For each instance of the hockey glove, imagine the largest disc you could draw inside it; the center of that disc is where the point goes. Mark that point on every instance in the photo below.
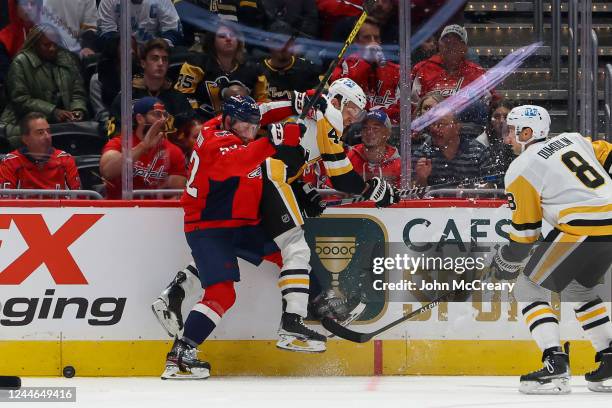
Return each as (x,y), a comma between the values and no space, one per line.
(382,193)
(504,269)
(301,99)
(286,134)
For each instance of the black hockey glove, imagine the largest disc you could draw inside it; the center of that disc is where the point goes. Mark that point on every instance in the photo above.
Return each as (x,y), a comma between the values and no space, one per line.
(309,199)
(382,193)
(504,269)
(286,134)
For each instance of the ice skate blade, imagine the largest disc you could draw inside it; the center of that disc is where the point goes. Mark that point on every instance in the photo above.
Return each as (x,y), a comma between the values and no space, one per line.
(599,386)
(166,319)
(292,343)
(172,372)
(555,386)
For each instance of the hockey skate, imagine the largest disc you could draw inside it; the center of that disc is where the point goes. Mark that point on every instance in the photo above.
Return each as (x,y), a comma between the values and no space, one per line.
(553,378)
(167,307)
(597,378)
(295,336)
(182,363)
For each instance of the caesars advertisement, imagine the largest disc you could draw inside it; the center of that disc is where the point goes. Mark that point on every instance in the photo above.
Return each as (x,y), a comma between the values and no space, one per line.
(91,273)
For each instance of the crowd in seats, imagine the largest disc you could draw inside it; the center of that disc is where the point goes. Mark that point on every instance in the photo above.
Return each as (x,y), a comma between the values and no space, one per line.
(61,59)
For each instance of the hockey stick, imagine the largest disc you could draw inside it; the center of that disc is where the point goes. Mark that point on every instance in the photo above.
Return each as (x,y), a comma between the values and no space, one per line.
(417,192)
(319,90)
(344,332)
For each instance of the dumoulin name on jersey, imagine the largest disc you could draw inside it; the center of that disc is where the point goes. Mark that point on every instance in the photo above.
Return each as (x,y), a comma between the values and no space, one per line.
(564,181)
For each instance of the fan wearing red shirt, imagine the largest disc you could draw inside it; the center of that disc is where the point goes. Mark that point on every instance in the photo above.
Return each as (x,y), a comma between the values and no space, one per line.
(370,69)
(38,165)
(157,163)
(448,71)
(374,157)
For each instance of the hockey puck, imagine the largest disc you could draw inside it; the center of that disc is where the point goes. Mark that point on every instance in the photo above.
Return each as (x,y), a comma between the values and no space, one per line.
(68,371)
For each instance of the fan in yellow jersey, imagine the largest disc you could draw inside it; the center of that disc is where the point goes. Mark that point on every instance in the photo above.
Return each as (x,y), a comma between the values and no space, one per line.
(565,182)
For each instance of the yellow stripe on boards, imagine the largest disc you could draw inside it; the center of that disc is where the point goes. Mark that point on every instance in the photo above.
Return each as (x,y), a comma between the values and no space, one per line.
(262,358)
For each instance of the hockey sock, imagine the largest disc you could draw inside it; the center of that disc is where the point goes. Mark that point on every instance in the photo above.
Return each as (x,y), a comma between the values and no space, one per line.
(207,313)
(294,284)
(593,317)
(542,323)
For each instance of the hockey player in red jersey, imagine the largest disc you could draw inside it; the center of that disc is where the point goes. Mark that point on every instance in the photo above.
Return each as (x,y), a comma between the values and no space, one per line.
(221,204)
(281,206)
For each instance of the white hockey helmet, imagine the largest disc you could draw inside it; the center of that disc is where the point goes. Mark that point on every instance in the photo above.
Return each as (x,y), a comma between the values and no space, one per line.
(529,116)
(349,91)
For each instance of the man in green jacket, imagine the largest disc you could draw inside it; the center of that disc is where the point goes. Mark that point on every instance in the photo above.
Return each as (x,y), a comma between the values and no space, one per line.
(43,77)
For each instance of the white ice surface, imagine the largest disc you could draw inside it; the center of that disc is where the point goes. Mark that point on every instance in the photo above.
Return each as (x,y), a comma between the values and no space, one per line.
(318,392)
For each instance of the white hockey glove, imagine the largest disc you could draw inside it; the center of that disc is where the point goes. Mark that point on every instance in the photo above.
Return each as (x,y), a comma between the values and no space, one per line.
(301,99)
(382,193)
(287,134)
(504,269)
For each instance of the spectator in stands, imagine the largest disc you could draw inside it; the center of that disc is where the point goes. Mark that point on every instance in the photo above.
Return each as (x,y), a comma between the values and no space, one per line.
(23,15)
(153,82)
(374,157)
(284,70)
(428,49)
(187,131)
(157,163)
(251,13)
(448,71)
(501,153)
(44,78)
(426,103)
(76,22)
(369,67)
(150,19)
(385,12)
(301,16)
(449,157)
(223,63)
(38,165)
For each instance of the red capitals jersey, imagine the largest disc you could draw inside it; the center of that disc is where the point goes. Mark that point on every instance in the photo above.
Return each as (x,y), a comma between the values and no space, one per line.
(430,75)
(380,83)
(59,172)
(151,170)
(225,181)
(389,169)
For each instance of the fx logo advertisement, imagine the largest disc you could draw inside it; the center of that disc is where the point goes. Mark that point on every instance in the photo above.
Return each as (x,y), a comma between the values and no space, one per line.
(49,251)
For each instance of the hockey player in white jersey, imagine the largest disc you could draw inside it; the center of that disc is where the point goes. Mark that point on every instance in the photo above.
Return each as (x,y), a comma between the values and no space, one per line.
(565,182)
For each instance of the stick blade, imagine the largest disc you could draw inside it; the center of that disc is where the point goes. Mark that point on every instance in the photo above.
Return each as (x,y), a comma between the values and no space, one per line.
(343,332)
(9,382)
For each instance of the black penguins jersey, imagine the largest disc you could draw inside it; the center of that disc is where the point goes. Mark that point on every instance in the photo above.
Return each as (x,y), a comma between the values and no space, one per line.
(201,79)
(299,76)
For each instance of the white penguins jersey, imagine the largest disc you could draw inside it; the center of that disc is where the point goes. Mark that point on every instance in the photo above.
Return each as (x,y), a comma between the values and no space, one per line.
(565,181)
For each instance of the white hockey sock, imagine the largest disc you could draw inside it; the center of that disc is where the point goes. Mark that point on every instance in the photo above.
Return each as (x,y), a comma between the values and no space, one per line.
(542,323)
(593,317)
(294,284)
